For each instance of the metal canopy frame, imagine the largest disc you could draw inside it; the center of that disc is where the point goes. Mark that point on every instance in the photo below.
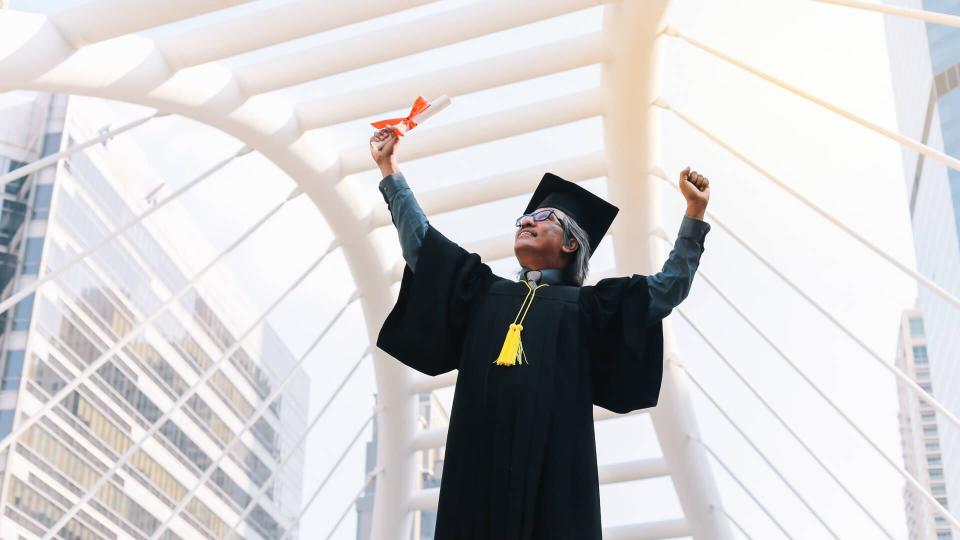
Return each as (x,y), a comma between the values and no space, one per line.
(93,50)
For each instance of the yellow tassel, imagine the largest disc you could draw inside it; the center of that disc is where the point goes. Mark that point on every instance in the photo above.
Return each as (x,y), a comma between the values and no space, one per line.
(511,353)
(511,346)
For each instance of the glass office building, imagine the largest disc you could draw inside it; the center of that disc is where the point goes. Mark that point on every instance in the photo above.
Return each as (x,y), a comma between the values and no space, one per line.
(51,336)
(925,65)
(919,434)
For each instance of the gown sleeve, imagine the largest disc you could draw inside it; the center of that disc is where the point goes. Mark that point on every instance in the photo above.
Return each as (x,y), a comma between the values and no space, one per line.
(626,351)
(426,328)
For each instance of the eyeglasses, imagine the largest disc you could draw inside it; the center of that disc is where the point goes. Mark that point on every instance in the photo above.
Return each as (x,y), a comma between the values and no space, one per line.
(540,215)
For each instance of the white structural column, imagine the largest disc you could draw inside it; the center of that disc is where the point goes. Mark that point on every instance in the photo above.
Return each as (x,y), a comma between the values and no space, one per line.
(631,83)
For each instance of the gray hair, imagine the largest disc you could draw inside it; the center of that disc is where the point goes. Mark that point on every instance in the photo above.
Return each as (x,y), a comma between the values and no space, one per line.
(579,264)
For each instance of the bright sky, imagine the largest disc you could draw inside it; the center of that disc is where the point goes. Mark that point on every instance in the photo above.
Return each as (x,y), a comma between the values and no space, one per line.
(836,53)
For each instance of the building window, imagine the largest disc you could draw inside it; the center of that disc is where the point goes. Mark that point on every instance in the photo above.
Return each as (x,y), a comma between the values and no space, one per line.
(41,201)
(31,259)
(928,416)
(6,422)
(14,165)
(936,474)
(934,461)
(926,386)
(916,326)
(929,430)
(13,187)
(944,535)
(934,445)
(12,369)
(21,313)
(920,354)
(938,490)
(11,219)
(51,144)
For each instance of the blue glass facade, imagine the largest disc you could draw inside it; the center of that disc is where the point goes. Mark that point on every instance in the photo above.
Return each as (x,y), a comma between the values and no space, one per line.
(945,56)
(47,219)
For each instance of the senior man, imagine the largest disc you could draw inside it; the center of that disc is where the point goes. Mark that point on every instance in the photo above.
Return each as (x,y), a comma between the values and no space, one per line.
(533,354)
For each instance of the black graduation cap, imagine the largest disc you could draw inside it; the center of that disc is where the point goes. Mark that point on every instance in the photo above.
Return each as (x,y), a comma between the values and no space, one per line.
(592,213)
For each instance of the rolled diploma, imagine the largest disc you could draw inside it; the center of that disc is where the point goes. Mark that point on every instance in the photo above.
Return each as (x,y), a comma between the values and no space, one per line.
(436,106)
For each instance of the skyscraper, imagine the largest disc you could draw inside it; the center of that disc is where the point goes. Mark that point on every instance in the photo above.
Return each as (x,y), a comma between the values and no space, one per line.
(48,218)
(920,436)
(925,64)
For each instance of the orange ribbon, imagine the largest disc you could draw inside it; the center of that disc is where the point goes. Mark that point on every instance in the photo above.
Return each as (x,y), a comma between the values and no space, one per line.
(403,125)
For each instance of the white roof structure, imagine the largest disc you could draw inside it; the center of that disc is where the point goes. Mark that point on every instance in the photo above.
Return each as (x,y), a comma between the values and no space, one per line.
(120,50)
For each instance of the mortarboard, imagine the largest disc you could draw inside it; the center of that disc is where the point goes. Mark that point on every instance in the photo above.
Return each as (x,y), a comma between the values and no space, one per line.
(592,213)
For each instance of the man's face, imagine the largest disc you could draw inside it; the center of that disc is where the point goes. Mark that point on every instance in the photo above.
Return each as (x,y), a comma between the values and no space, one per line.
(539,244)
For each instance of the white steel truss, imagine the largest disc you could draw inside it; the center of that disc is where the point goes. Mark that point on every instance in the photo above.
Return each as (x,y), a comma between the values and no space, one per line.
(80,50)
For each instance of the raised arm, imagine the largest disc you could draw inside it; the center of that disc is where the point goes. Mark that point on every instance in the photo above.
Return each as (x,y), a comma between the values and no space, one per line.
(408,217)
(671,285)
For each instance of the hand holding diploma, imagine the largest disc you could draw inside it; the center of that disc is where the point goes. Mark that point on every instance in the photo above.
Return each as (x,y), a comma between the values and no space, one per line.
(382,146)
(421,111)
(383,143)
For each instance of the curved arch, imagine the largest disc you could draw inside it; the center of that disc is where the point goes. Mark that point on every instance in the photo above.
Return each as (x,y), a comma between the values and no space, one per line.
(133,69)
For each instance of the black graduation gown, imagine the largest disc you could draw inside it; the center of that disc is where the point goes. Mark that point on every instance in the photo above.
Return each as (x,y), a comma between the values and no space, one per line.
(521,454)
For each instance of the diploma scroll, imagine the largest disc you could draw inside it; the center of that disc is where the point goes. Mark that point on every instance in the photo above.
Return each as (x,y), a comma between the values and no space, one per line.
(421,111)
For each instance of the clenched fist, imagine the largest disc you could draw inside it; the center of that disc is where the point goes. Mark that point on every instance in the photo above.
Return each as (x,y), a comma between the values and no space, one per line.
(385,157)
(696,190)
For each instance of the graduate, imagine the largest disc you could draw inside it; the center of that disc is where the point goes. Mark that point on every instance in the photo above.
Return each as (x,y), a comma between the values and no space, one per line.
(534,355)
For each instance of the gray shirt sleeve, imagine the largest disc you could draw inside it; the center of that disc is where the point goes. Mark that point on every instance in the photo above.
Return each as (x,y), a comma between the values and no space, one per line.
(667,288)
(408,217)
(672,284)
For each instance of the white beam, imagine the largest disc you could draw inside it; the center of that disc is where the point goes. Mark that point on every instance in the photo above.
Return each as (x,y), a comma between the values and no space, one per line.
(273,26)
(627,471)
(423,34)
(454,81)
(928,151)
(373,474)
(483,129)
(498,187)
(736,478)
(734,521)
(654,530)
(190,392)
(632,132)
(421,384)
(366,483)
(437,437)
(932,17)
(67,152)
(770,464)
(252,420)
(424,499)
(920,278)
(268,483)
(903,377)
(924,492)
(430,438)
(91,22)
(600,414)
(492,248)
(88,371)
